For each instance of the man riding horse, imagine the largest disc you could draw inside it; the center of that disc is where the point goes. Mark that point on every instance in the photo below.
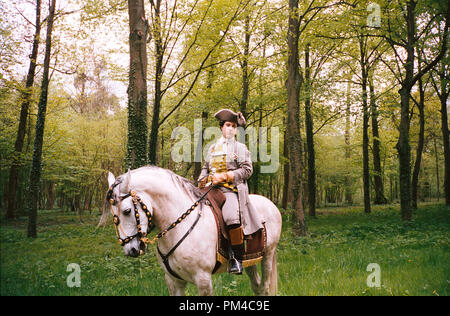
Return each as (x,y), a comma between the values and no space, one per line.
(228,165)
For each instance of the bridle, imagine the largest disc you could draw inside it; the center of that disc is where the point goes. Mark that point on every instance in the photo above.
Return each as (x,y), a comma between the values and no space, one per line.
(142,235)
(136,199)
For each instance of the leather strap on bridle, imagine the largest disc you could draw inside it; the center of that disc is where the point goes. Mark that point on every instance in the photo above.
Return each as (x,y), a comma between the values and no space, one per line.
(116,220)
(165,258)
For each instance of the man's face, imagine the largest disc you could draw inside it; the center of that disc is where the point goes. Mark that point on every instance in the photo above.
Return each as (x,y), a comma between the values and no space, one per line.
(229,129)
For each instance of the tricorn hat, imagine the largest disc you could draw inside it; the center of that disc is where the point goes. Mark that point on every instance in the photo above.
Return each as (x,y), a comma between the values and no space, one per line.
(231,116)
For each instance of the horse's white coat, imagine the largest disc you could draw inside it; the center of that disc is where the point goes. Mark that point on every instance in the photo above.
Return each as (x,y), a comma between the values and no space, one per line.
(195,258)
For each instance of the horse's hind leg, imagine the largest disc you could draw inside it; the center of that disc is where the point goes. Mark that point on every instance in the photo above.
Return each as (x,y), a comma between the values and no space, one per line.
(176,287)
(255,281)
(266,269)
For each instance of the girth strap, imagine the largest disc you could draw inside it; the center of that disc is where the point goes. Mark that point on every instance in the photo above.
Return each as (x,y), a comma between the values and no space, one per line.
(165,258)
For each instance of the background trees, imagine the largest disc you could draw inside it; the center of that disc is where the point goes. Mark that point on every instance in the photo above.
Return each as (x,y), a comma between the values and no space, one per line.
(324,72)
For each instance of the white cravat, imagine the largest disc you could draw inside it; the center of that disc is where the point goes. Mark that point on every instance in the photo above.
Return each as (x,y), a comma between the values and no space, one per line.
(224,142)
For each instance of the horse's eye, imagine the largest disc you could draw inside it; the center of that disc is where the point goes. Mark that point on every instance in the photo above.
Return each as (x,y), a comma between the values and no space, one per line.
(127,211)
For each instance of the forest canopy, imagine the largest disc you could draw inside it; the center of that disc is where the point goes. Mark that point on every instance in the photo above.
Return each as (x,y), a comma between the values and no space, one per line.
(357,90)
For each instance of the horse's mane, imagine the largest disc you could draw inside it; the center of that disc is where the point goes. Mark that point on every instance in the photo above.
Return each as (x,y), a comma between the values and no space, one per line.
(186,185)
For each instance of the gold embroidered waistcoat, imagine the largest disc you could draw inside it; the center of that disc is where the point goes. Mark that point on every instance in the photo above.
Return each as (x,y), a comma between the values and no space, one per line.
(218,164)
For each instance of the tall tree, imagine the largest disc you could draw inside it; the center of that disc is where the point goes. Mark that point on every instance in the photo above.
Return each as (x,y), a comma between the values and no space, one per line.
(159,56)
(364,83)
(420,144)
(404,51)
(244,66)
(35,174)
(443,92)
(293,84)
(26,99)
(377,172)
(348,152)
(440,81)
(310,137)
(137,86)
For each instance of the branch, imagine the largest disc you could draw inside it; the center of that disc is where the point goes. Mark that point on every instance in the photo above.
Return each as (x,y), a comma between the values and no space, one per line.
(270,112)
(25,18)
(163,91)
(441,53)
(326,121)
(190,47)
(236,13)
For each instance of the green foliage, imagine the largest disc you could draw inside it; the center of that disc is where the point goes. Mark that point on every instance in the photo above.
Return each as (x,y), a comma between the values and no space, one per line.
(332,260)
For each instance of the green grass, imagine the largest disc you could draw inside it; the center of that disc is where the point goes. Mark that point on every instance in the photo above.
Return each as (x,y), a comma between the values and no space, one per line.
(413,257)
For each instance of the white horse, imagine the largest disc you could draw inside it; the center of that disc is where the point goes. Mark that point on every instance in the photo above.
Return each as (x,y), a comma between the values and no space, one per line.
(167,196)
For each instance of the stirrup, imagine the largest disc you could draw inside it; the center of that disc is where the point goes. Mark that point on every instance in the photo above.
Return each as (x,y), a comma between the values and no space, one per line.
(235,266)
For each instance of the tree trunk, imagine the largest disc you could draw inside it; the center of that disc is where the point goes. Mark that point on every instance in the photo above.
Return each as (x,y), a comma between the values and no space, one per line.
(137,87)
(420,145)
(403,145)
(245,82)
(446,138)
(404,156)
(366,173)
(199,149)
(257,171)
(310,138)
(26,98)
(159,55)
(378,181)
(348,180)
(35,174)
(293,85)
(286,175)
(50,195)
(438,193)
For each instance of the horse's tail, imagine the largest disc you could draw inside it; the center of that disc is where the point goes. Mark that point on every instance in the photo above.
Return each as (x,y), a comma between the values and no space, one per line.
(273,285)
(105,213)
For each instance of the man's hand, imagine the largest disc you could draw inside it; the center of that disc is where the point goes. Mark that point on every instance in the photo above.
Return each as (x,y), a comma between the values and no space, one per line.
(223,177)
(201,184)
(219,178)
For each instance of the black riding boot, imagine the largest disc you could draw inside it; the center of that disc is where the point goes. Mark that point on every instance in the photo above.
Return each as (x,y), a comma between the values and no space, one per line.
(236,250)
(235,262)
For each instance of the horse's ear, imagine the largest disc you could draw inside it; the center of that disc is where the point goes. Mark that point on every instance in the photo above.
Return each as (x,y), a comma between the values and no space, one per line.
(111,179)
(125,185)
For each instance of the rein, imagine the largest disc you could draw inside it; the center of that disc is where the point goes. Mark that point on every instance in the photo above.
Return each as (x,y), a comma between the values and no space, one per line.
(181,218)
(165,257)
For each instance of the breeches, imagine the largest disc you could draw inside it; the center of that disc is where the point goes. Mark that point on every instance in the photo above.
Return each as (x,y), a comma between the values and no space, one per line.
(230,209)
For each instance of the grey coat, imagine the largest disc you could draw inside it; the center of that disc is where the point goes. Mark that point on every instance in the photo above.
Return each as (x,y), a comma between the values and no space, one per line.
(240,163)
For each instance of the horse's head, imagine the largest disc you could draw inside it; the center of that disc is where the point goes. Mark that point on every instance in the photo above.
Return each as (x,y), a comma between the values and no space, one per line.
(131,215)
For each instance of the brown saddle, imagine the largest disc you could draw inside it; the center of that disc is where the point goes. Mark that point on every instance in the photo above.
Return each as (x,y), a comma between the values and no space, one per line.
(255,243)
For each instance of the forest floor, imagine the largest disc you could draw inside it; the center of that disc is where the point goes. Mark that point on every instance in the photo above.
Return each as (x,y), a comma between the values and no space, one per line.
(412,258)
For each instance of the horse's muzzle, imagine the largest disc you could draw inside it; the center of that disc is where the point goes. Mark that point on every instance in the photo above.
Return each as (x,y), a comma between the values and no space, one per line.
(134,253)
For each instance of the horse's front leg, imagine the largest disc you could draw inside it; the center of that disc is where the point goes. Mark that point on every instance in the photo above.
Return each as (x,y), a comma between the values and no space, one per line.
(176,287)
(204,284)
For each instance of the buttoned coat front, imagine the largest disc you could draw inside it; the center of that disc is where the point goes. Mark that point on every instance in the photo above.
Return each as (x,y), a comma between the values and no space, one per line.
(240,163)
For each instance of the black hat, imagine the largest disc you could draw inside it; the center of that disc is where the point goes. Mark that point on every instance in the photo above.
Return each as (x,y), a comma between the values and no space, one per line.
(231,116)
